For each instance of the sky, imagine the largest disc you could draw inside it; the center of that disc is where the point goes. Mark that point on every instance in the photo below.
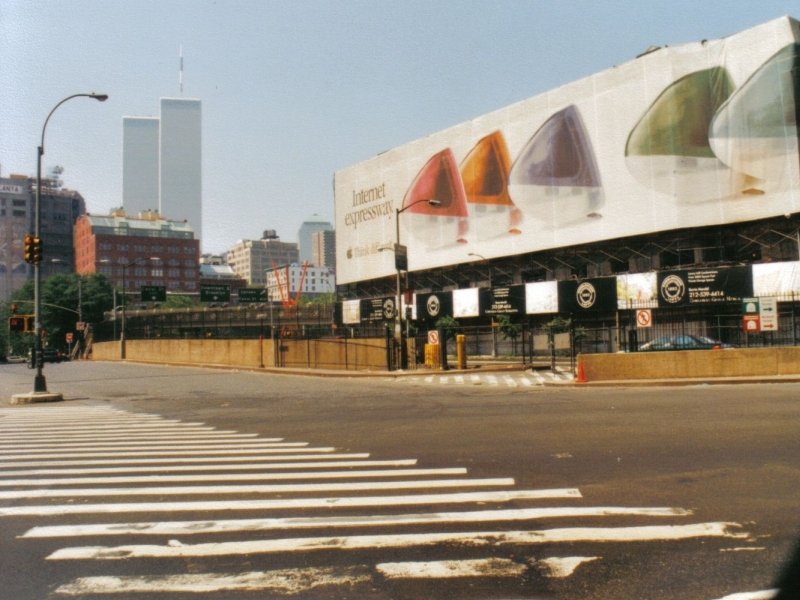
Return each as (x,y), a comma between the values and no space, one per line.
(294,90)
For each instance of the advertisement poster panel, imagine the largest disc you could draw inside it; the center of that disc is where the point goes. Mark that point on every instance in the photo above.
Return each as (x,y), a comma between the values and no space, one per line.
(431,307)
(609,156)
(506,300)
(378,309)
(575,297)
(702,286)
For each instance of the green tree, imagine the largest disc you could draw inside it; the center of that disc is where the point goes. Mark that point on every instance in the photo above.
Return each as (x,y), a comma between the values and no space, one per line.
(178,301)
(448,325)
(509,330)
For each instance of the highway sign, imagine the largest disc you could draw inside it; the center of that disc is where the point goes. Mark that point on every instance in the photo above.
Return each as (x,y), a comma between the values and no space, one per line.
(215,292)
(153,293)
(252,295)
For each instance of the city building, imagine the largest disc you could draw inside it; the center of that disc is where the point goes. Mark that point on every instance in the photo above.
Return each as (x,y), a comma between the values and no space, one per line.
(146,250)
(304,236)
(323,248)
(251,259)
(180,162)
(284,282)
(59,209)
(162,162)
(214,274)
(140,164)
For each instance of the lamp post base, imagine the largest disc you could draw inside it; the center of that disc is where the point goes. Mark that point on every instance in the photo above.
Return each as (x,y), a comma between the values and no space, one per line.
(34,397)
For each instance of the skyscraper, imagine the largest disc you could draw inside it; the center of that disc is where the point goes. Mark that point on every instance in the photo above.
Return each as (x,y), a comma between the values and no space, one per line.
(180,161)
(140,164)
(307,229)
(162,162)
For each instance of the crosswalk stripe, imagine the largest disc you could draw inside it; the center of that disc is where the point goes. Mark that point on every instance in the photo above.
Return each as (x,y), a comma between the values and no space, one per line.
(83,437)
(152,447)
(271,524)
(61,455)
(255,489)
(497,496)
(450,569)
(341,464)
(104,425)
(120,444)
(285,581)
(177,460)
(233,477)
(371,542)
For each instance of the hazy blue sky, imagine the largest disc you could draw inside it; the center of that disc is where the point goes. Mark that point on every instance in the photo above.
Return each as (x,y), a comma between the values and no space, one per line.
(294,90)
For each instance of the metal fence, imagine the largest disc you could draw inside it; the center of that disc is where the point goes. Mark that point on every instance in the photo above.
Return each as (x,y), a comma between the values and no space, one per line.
(534,339)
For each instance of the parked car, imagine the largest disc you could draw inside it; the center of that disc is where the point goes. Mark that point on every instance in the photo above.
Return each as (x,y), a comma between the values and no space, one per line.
(683,342)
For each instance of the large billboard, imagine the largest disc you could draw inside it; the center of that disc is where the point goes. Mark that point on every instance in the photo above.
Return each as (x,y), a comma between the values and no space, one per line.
(685,136)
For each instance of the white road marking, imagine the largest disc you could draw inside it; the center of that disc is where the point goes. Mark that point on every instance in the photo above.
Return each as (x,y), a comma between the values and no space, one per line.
(104,426)
(449,569)
(270,450)
(341,464)
(288,581)
(232,477)
(84,437)
(255,489)
(200,459)
(560,567)
(525,381)
(288,503)
(474,539)
(492,379)
(760,595)
(509,381)
(184,445)
(220,526)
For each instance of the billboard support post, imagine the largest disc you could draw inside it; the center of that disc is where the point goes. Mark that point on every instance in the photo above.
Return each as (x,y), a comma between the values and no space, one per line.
(400,261)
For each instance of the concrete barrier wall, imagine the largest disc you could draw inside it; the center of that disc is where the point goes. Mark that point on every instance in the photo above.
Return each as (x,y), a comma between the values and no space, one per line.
(735,362)
(323,354)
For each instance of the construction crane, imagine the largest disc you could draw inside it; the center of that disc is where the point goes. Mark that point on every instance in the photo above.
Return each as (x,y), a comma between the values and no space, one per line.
(289,301)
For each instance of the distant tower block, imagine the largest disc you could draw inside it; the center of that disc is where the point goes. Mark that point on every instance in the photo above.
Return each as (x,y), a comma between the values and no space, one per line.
(443,225)
(555,179)
(756,130)
(669,151)
(484,172)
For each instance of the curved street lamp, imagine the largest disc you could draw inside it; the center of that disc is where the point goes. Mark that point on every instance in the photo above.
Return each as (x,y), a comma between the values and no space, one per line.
(39,383)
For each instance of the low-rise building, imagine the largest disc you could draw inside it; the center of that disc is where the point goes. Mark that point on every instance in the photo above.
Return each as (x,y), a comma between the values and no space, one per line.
(134,252)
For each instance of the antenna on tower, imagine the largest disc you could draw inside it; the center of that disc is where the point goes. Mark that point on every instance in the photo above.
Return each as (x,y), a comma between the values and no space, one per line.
(180,70)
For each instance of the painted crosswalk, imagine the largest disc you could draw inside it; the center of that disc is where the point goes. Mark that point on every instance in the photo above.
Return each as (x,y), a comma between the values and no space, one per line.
(128,478)
(516,379)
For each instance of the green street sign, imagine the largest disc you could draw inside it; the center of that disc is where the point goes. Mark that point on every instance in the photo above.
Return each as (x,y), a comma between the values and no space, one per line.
(252,295)
(153,293)
(215,293)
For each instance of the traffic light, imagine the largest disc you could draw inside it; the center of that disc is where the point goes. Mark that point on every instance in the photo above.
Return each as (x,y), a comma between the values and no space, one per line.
(28,248)
(37,250)
(16,323)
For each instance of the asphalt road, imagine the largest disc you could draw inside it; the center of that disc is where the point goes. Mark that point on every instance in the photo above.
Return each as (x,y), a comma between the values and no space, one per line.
(405,489)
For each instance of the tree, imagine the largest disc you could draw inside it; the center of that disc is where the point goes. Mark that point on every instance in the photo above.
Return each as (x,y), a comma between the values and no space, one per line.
(178,301)
(509,330)
(448,325)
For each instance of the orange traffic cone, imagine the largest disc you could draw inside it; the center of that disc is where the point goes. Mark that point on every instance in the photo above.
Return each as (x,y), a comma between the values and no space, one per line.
(581,373)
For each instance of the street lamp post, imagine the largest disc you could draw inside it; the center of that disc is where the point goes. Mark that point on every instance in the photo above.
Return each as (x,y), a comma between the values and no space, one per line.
(39,382)
(401,264)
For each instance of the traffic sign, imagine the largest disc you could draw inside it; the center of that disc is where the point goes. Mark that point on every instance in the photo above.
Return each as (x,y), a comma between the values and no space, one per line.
(252,295)
(644,317)
(433,337)
(768,312)
(154,293)
(215,293)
